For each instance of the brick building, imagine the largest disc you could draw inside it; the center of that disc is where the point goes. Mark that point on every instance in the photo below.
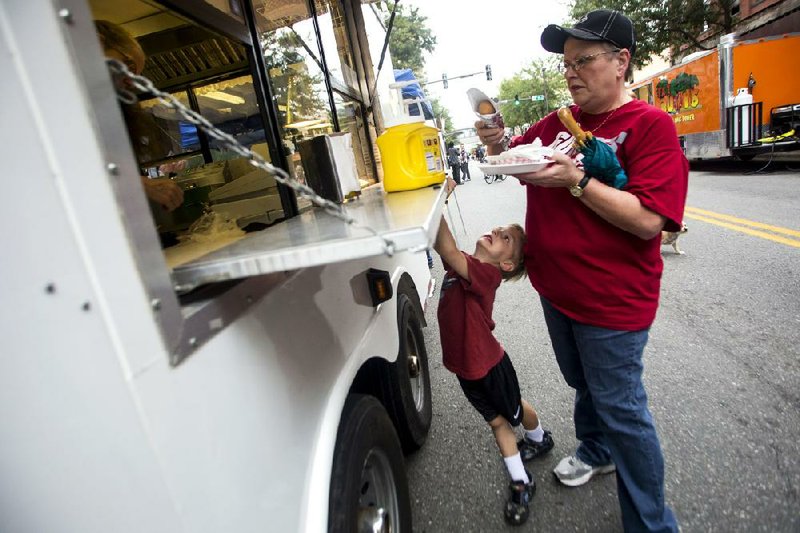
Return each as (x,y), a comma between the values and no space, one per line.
(762,18)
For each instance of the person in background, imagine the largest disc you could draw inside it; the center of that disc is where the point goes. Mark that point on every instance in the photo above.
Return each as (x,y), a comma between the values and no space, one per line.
(480,155)
(148,140)
(593,255)
(464,160)
(473,354)
(454,160)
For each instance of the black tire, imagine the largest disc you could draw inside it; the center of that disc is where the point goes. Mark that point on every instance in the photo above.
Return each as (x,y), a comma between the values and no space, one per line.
(405,385)
(368,479)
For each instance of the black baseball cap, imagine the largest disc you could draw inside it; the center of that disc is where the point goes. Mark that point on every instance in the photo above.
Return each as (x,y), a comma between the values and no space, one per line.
(598,25)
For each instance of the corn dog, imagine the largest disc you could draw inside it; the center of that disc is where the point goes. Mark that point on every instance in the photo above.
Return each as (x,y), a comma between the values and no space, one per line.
(565,115)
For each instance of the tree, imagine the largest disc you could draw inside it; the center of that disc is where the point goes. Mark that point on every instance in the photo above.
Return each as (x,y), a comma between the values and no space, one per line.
(410,37)
(297,92)
(542,77)
(442,113)
(678,25)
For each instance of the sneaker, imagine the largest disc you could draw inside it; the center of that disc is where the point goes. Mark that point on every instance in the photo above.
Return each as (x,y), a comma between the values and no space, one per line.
(529,449)
(573,472)
(520,497)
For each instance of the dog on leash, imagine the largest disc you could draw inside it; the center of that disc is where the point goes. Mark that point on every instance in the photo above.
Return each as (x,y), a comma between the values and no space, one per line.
(671,237)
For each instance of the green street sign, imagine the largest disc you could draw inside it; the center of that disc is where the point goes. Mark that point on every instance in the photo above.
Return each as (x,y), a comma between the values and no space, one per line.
(537,98)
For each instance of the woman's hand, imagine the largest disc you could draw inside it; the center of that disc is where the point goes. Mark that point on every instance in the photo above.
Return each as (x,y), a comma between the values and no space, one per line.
(490,136)
(164,192)
(562,172)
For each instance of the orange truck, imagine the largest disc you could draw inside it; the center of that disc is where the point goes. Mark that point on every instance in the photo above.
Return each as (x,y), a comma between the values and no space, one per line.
(739,100)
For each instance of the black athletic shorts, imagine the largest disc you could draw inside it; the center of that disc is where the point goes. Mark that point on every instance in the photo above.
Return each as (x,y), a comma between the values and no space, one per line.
(497,393)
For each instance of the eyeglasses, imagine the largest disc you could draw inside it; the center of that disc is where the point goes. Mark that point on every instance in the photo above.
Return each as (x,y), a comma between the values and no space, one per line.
(581,62)
(126,59)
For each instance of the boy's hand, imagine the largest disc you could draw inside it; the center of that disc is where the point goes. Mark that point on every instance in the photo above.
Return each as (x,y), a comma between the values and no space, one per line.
(451,186)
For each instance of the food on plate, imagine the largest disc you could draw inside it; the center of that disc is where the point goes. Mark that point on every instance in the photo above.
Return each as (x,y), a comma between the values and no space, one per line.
(565,115)
(486,107)
(521,155)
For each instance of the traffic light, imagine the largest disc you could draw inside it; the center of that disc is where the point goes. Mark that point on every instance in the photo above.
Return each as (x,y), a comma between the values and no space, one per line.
(516,99)
(444,80)
(488,72)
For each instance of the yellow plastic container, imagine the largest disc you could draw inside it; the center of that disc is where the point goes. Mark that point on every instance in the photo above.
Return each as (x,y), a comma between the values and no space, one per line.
(411,156)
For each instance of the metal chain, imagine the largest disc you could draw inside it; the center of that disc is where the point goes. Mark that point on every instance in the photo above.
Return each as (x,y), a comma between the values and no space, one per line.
(228,141)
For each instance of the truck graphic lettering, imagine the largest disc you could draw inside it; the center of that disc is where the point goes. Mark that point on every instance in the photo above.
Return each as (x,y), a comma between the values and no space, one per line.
(680,94)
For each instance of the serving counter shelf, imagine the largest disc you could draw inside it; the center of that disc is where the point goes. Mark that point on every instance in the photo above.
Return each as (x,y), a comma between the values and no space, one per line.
(408,219)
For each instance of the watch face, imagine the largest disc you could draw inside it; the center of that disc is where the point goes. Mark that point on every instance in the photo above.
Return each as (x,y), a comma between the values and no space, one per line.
(576,191)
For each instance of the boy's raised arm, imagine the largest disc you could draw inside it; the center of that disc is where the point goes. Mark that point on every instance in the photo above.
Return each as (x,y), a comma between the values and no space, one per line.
(447,248)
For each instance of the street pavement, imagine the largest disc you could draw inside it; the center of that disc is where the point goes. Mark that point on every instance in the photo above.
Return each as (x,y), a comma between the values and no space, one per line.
(722,371)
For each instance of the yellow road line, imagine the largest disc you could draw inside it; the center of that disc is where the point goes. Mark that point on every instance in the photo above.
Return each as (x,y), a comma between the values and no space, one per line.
(744,229)
(745,222)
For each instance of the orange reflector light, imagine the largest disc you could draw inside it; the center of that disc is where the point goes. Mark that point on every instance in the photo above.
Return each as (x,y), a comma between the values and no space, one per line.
(380,286)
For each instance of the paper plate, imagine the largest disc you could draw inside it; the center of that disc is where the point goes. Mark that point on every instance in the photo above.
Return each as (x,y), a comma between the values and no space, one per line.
(512,169)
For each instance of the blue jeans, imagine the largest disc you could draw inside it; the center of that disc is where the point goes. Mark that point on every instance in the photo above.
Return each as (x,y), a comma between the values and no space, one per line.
(612,421)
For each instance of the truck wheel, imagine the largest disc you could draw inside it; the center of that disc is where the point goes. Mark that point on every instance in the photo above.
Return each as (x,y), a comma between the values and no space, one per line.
(369,487)
(406,383)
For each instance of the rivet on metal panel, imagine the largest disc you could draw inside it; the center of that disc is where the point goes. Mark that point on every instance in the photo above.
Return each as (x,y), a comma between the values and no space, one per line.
(113,169)
(155,303)
(50,288)
(66,15)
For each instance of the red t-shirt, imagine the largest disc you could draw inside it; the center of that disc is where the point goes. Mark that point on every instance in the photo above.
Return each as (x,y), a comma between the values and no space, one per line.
(469,348)
(587,268)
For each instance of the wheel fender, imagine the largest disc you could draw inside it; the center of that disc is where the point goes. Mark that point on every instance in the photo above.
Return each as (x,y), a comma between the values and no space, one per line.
(380,340)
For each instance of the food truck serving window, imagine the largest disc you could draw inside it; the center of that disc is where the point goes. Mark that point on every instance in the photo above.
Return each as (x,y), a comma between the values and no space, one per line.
(276,83)
(212,75)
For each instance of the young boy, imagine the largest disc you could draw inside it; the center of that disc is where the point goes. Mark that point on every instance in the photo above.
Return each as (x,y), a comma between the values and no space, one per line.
(474,355)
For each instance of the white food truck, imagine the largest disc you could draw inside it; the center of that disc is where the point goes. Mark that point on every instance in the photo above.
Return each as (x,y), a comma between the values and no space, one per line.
(269,380)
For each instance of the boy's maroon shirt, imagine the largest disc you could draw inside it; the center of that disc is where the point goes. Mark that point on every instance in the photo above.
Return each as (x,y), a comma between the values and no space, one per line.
(469,349)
